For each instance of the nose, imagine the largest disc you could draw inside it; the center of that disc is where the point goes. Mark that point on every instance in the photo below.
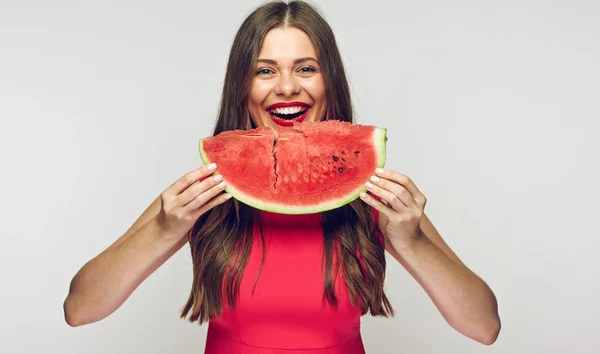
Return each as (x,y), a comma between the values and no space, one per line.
(287,85)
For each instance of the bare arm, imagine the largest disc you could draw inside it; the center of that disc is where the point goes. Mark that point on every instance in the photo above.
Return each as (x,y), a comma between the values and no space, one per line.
(463,299)
(103,284)
(106,281)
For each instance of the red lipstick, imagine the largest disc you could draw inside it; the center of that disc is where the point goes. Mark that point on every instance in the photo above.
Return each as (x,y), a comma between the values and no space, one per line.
(288,122)
(287,104)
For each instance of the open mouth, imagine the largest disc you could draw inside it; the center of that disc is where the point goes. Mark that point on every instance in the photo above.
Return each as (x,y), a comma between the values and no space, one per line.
(287,113)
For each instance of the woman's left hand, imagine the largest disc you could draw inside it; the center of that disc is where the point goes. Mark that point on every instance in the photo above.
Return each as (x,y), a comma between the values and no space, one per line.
(401,205)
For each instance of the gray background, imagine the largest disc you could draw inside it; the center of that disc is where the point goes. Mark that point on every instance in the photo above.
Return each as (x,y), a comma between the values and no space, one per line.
(492,108)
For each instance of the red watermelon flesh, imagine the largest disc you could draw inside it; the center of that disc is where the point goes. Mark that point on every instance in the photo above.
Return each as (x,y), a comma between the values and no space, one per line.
(308,168)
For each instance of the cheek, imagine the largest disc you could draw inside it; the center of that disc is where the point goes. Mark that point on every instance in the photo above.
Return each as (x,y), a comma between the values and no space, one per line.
(256,98)
(316,90)
(255,95)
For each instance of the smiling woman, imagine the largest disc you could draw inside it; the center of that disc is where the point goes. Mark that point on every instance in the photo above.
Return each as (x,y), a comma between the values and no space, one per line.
(287,68)
(268,282)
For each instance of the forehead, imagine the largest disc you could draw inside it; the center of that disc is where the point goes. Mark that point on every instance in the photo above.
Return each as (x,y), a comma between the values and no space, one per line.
(287,43)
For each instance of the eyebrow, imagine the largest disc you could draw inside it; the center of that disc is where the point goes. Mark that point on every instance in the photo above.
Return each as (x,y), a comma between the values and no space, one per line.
(296,62)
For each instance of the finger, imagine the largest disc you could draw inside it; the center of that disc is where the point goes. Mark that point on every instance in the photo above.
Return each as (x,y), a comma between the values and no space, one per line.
(197,188)
(217,200)
(201,192)
(204,198)
(379,205)
(192,177)
(395,191)
(404,181)
(388,197)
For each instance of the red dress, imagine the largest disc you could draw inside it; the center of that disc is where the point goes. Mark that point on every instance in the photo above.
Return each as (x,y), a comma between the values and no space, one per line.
(286,313)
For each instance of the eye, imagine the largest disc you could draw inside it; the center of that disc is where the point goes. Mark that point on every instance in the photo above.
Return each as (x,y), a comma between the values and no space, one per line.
(307,69)
(264,71)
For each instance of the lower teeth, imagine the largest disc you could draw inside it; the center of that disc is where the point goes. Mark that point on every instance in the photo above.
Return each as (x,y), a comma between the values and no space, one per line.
(288,116)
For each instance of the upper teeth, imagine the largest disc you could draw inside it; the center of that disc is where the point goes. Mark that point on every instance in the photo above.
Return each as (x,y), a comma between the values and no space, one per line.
(287,110)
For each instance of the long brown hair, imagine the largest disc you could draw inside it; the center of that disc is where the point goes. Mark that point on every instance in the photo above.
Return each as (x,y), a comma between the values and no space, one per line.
(221,240)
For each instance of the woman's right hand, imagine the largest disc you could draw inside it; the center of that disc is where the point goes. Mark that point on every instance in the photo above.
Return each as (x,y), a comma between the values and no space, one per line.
(107,280)
(188,198)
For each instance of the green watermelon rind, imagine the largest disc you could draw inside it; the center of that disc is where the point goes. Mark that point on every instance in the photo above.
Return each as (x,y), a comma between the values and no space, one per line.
(379,140)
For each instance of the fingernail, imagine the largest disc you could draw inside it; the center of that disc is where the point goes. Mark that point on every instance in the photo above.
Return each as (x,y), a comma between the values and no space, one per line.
(379,171)
(222,185)
(363,194)
(227,196)
(375,179)
(369,185)
(212,166)
(218,178)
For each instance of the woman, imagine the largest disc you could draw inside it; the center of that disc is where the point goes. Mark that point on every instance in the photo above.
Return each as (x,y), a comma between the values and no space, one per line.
(258,277)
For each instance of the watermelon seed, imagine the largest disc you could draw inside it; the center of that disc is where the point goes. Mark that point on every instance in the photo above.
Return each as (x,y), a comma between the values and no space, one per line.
(335,158)
(340,170)
(356,153)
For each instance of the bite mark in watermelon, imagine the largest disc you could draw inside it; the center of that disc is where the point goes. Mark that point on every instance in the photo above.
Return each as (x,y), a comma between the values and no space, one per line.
(303,169)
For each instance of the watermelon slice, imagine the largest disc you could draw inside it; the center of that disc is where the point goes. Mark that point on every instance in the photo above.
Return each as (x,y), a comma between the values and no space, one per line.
(303,169)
